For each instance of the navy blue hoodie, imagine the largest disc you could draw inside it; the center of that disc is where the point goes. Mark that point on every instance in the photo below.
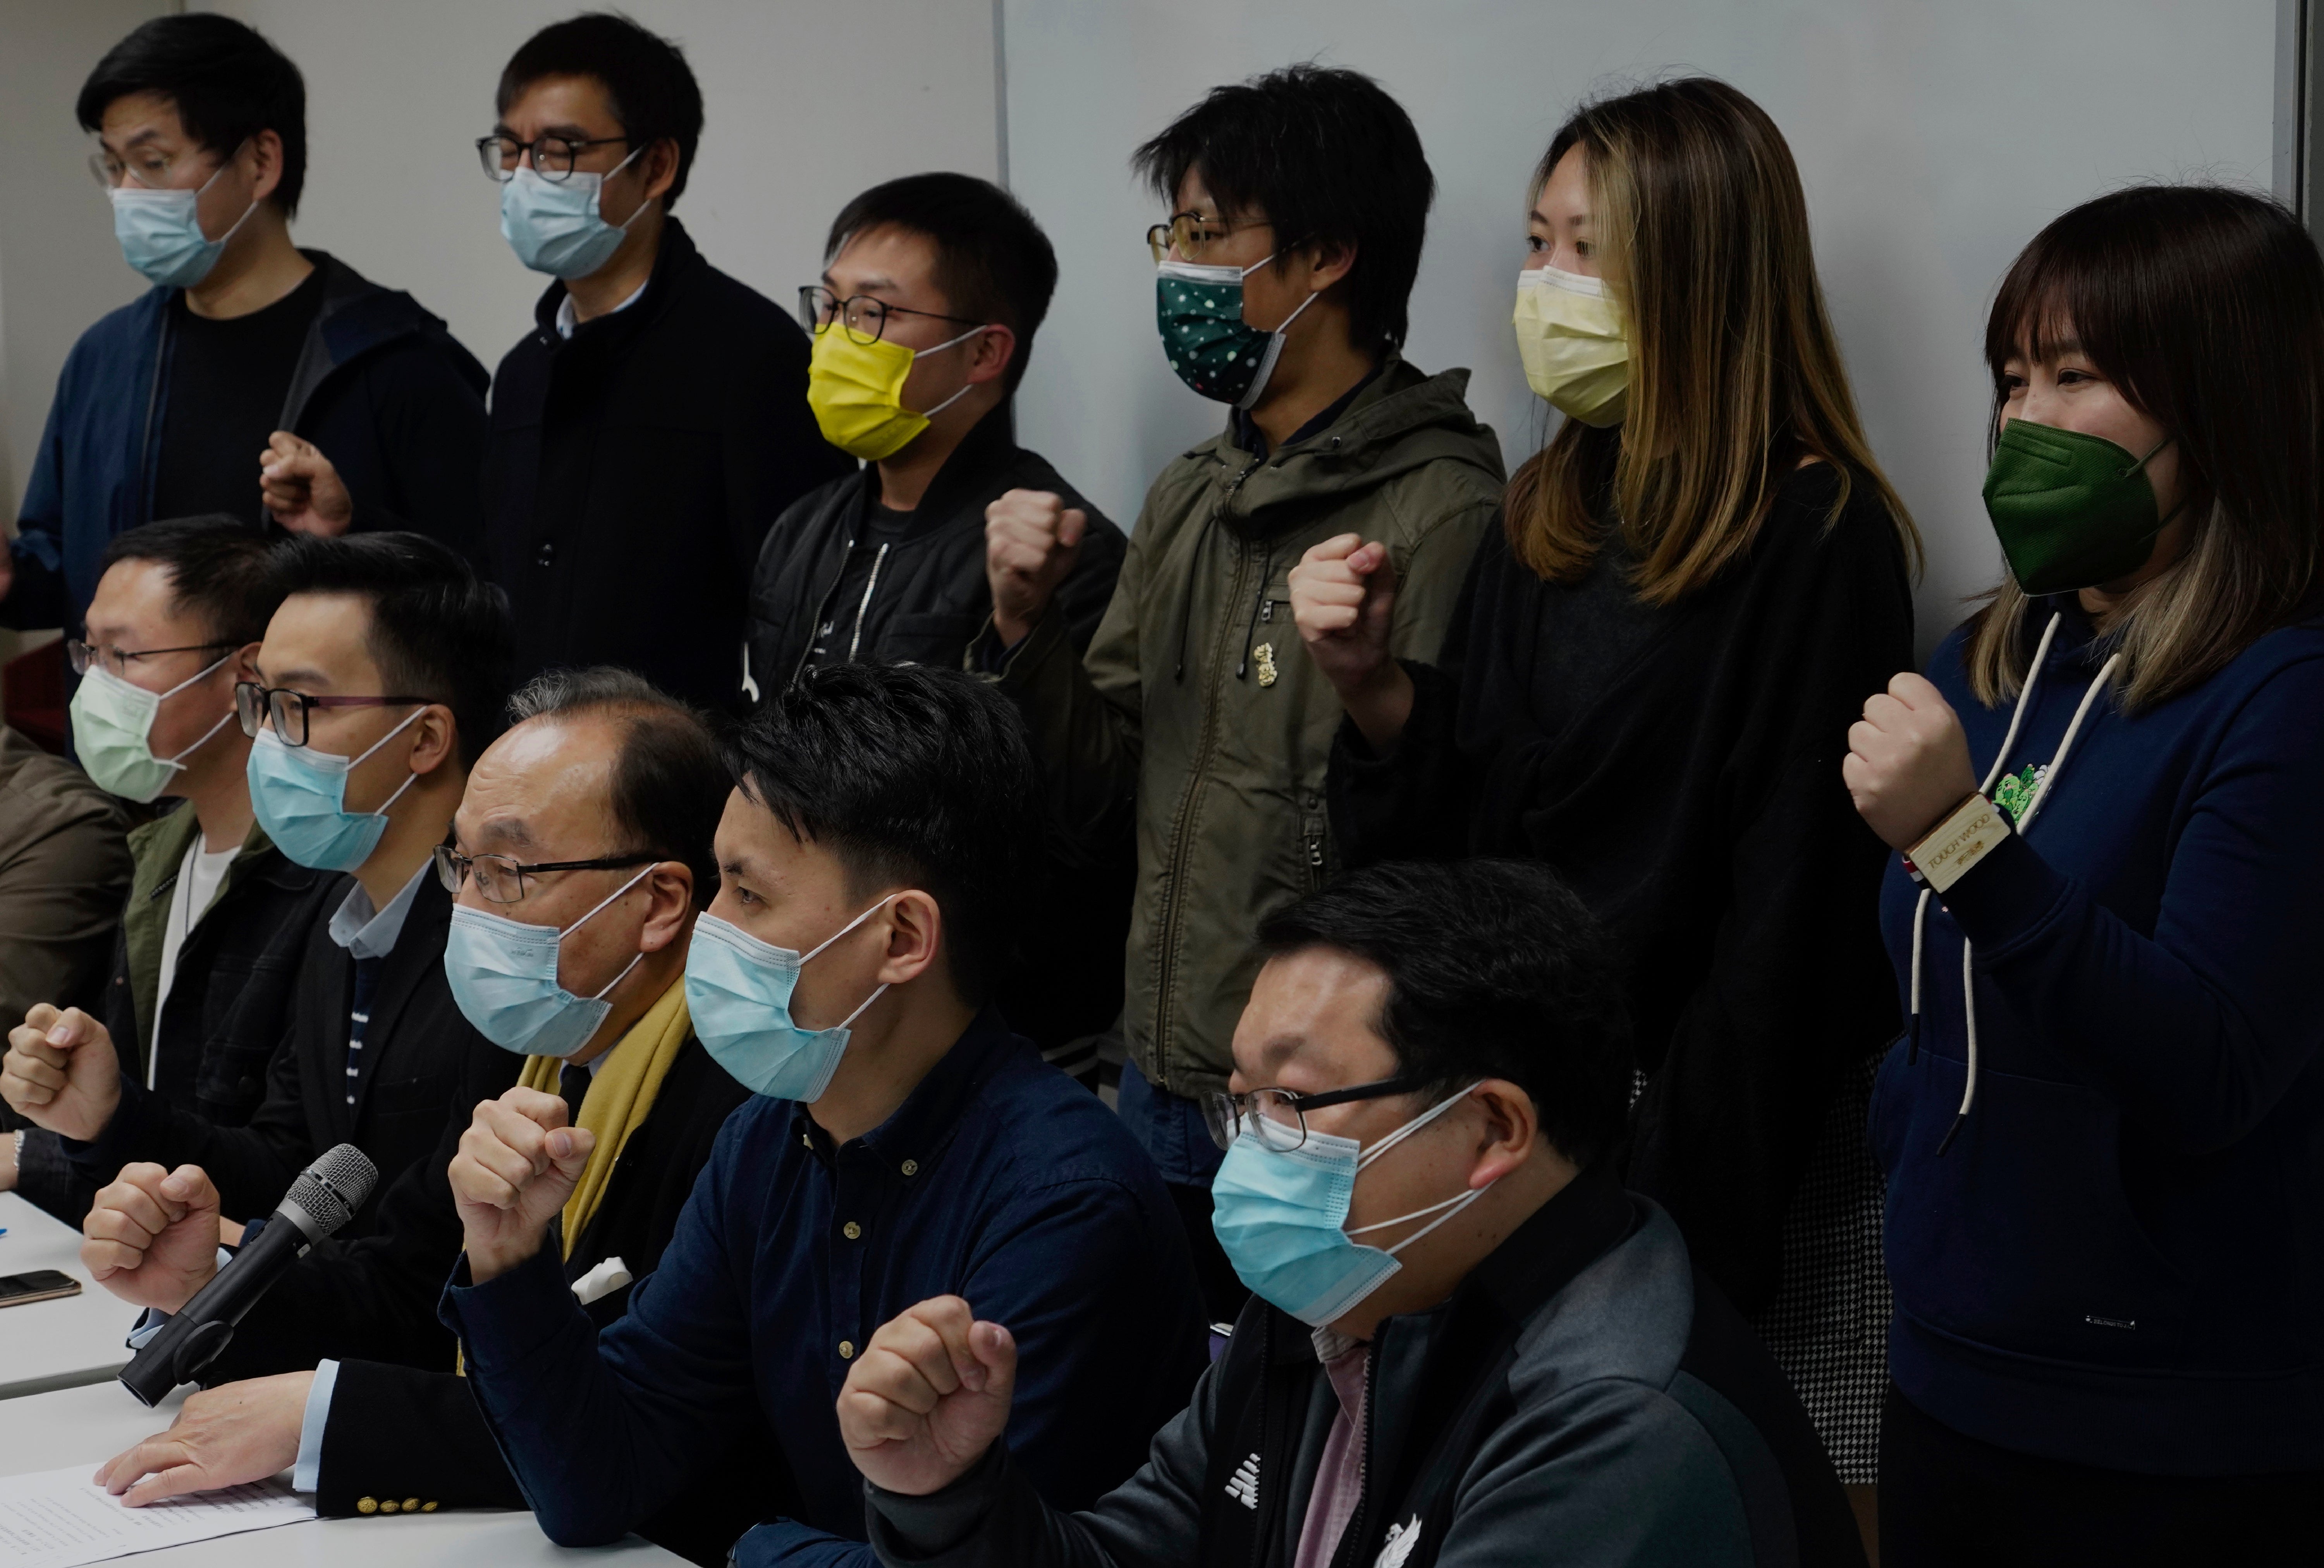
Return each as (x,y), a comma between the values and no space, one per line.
(382,387)
(2119,1261)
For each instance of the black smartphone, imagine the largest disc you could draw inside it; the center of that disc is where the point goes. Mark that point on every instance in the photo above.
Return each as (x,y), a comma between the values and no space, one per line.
(40,1285)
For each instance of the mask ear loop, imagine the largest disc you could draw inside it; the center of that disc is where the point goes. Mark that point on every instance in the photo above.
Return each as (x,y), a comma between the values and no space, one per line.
(1411,1126)
(410,779)
(600,994)
(919,353)
(1452,1205)
(178,762)
(834,936)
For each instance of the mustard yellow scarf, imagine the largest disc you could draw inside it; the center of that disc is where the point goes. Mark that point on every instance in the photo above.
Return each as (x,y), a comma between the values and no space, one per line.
(620,1097)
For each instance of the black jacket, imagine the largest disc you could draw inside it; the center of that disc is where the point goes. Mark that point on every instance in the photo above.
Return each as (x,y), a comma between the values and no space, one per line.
(1584,1397)
(401,1424)
(380,387)
(930,596)
(1692,797)
(928,599)
(635,467)
(425,1064)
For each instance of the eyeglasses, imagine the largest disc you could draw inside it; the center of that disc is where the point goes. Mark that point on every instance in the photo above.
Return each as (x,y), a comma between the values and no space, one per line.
(862,317)
(152,170)
(552,156)
(1191,234)
(116,662)
(503,882)
(254,705)
(1277,1117)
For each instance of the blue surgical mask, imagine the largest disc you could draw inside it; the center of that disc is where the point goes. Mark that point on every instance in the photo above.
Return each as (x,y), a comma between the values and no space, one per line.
(503,975)
(299,797)
(554,225)
(160,231)
(1280,1213)
(738,990)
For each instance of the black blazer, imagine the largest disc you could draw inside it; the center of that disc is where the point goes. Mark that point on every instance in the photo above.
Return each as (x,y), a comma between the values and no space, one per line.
(427,1065)
(634,468)
(412,1430)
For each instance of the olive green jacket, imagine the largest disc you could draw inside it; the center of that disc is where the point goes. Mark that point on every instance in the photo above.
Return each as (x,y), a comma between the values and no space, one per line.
(1196,720)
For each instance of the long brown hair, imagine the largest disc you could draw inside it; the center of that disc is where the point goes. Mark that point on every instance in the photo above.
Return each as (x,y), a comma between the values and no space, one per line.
(2205,308)
(1735,373)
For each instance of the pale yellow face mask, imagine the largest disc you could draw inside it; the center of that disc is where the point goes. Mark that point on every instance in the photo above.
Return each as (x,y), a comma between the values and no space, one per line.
(1576,354)
(856,390)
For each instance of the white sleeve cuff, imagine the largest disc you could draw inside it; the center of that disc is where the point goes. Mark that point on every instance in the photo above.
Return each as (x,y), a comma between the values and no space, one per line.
(153,1320)
(306,1475)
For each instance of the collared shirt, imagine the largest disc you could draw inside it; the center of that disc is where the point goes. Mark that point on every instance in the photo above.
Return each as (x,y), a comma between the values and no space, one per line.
(368,932)
(567,318)
(998,1179)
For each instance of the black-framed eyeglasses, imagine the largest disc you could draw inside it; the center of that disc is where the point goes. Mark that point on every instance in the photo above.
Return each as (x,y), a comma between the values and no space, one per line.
(552,156)
(116,662)
(1191,234)
(864,318)
(502,881)
(254,705)
(1278,1116)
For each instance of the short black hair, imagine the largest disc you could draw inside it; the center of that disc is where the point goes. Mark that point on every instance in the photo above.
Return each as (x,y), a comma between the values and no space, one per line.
(226,81)
(437,631)
(993,262)
(1494,970)
(669,784)
(1325,155)
(648,84)
(907,774)
(220,568)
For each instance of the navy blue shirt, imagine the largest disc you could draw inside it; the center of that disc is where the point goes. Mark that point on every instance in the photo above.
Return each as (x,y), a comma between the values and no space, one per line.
(998,1179)
(2115,1262)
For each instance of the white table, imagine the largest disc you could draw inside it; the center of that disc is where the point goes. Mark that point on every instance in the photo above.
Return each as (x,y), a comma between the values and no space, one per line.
(62,1343)
(50,1431)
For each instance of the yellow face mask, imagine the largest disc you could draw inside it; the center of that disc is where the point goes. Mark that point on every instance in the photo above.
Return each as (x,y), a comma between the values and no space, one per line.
(856,390)
(1576,354)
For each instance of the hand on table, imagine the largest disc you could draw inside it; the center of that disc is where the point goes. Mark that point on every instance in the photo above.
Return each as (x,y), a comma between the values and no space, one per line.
(60,1072)
(1907,762)
(152,1236)
(224,1436)
(927,1396)
(517,1165)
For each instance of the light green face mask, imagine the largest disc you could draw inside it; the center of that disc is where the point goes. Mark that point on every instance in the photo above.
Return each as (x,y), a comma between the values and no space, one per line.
(111,720)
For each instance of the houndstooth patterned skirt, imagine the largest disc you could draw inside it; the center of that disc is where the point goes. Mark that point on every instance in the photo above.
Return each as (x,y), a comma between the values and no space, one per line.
(1828,1325)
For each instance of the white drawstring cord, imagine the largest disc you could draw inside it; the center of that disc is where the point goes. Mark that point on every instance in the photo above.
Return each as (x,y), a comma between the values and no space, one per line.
(2025,821)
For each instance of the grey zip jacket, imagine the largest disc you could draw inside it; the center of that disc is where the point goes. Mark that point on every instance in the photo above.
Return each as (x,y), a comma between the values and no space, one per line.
(1582,1399)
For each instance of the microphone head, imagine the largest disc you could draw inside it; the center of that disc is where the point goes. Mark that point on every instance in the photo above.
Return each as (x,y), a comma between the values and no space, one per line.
(334,1187)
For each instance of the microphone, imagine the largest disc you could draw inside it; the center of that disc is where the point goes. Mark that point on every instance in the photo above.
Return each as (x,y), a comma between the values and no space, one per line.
(326,1195)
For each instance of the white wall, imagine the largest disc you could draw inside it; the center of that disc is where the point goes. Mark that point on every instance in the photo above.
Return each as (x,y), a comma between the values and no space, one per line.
(806,103)
(1933,141)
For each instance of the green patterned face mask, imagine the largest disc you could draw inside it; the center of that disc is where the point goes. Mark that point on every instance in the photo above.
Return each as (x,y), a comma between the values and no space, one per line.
(2072,511)
(1215,351)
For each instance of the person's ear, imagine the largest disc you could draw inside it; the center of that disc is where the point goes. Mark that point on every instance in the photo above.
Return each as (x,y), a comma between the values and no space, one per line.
(915,932)
(435,739)
(244,666)
(264,150)
(1327,262)
(990,356)
(1506,1133)
(670,914)
(660,166)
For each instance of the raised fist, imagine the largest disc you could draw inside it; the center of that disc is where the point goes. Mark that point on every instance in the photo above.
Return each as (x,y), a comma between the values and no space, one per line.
(302,487)
(60,1072)
(1907,761)
(517,1165)
(1031,538)
(152,1236)
(927,1396)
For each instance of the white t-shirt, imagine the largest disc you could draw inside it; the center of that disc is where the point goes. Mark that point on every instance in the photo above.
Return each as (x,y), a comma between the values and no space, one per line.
(199,878)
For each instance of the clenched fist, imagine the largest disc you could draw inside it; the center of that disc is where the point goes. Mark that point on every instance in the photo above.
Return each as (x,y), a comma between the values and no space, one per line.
(927,1396)
(60,1072)
(517,1165)
(1907,761)
(1342,599)
(152,1236)
(302,487)
(1031,538)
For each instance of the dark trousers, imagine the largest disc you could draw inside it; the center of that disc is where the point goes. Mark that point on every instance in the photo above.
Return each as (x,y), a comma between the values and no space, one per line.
(1951,1502)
